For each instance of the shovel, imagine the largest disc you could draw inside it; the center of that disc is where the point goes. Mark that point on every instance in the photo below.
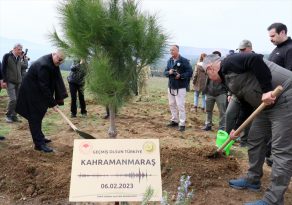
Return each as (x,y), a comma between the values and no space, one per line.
(82,134)
(276,92)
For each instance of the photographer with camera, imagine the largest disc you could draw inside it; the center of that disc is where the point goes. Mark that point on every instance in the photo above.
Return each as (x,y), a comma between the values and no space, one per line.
(24,62)
(11,73)
(179,71)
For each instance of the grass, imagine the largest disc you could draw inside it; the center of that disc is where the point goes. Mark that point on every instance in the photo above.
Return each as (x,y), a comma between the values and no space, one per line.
(3,93)
(157,94)
(157,84)
(49,123)
(64,74)
(5,128)
(157,89)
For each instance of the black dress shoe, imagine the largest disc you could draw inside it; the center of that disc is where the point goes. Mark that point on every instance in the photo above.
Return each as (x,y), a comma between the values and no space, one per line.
(43,148)
(181,128)
(172,124)
(105,117)
(47,140)
(15,119)
(73,115)
(207,128)
(2,138)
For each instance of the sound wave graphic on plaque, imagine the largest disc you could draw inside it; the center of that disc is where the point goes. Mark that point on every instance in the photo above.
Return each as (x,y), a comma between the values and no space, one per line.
(139,174)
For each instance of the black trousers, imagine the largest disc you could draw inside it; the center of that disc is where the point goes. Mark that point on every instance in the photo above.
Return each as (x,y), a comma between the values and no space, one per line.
(74,89)
(35,126)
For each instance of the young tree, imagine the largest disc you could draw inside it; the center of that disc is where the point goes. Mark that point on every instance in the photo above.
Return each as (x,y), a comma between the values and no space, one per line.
(117,40)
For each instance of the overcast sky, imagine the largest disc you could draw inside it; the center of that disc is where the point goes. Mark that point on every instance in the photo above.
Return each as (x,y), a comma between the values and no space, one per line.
(196,23)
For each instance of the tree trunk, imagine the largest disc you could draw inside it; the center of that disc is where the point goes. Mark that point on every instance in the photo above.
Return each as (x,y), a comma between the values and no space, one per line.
(112,131)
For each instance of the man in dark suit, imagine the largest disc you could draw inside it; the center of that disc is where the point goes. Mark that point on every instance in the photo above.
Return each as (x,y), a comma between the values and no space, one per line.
(36,95)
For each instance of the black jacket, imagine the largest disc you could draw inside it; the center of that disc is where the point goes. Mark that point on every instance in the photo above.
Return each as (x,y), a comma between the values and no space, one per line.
(37,90)
(183,67)
(248,62)
(77,74)
(282,54)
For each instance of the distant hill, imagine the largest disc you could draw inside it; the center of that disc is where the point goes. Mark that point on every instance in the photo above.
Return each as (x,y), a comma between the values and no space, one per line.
(36,50)
(193,51)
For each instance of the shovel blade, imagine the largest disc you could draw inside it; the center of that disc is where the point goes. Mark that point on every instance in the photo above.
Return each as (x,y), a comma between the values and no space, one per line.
(85,135)
(216,155)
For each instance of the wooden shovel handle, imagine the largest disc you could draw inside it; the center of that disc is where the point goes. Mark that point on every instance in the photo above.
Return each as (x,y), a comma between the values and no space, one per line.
(276,92)
(67,120)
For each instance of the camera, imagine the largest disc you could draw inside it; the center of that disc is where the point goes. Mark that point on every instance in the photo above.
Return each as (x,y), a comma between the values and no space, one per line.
(176,68)
(175,72)
(24,55)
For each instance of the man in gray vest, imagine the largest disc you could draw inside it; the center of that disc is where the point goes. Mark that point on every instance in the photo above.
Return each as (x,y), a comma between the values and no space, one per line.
(252,79)
(215,93)
(11,71)
(234,110)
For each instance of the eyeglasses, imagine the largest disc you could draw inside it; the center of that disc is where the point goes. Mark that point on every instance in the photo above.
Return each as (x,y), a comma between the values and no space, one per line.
(210,66)
(60,60)
(207,68)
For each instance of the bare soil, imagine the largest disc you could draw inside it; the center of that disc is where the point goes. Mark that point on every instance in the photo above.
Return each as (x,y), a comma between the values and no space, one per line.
(32,177)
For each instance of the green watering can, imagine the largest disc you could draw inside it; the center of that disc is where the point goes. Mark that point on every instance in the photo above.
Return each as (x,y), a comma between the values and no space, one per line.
(222,137)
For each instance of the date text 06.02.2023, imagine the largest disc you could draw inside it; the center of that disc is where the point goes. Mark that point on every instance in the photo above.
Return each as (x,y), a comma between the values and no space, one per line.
(117,186)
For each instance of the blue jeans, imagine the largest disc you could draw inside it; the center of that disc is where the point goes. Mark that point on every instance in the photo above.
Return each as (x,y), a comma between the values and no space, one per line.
(196,99)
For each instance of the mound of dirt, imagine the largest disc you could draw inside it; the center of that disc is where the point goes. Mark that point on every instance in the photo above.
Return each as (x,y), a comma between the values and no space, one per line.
(29,177)
(193,162)
(30,174)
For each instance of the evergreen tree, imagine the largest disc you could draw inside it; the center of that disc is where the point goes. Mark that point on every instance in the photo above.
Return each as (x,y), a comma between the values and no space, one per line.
(117,40)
